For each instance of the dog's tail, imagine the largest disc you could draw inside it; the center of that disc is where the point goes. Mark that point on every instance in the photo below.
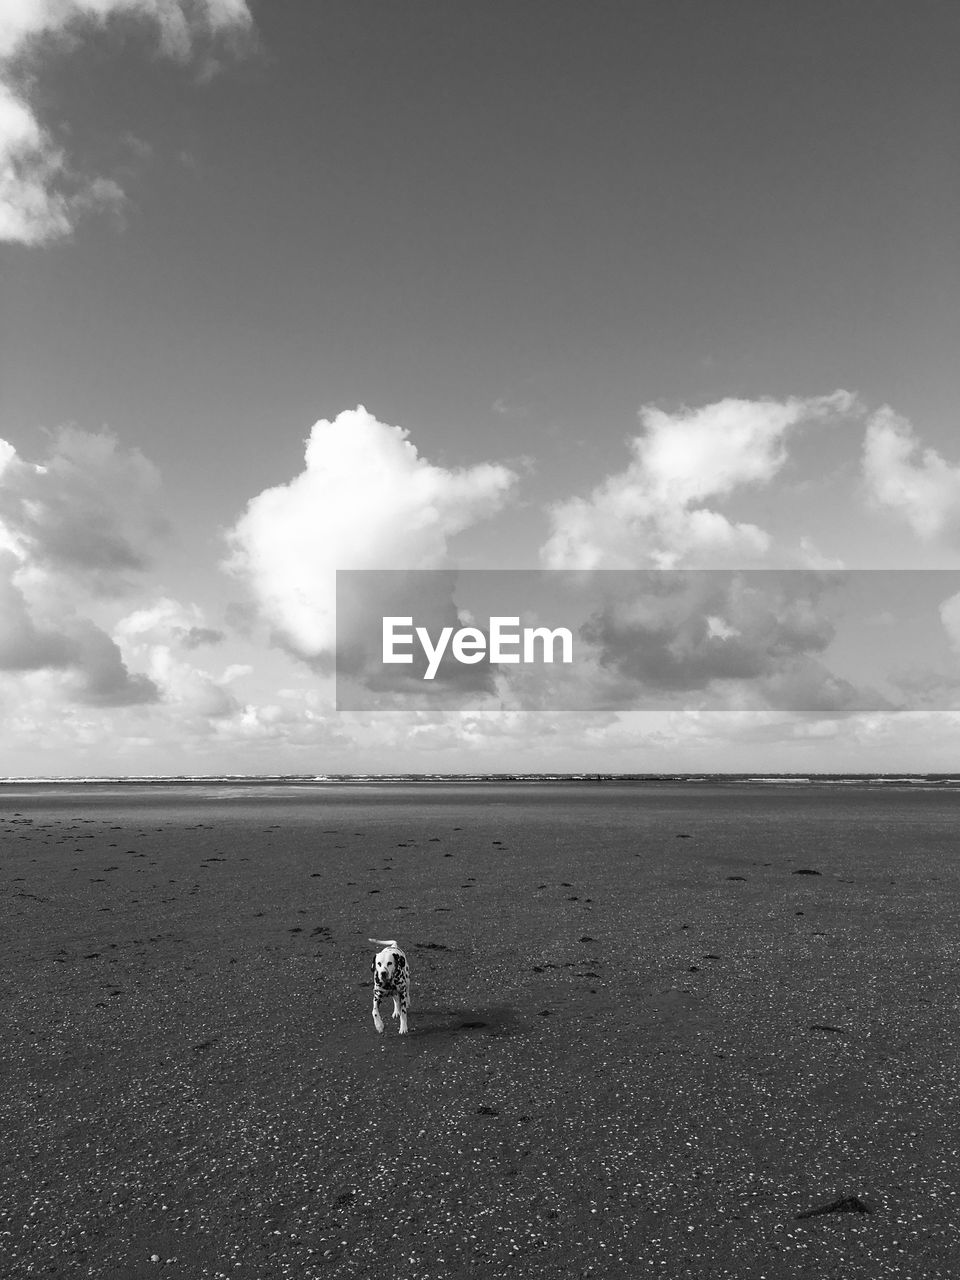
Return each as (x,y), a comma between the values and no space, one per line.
(392,942)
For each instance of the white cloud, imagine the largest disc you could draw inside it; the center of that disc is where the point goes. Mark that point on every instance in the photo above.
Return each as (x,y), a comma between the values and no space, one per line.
(652,514)
(193,691)
(25,645)
(364,500)
(156,638)
(168,621)
(31,209)
(40,195)
(236,671)
(102,677)
(90,509)
(916,482)
(77,525)
(813,558)
(180,23)
(685,633)
(88,663)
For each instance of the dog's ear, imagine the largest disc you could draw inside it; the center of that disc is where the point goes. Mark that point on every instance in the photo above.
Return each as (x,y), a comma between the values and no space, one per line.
(401,960)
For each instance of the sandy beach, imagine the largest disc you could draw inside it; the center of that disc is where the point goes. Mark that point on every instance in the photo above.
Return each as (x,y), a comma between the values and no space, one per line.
(651,1027)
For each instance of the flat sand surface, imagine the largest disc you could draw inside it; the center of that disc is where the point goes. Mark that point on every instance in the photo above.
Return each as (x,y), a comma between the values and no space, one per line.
(642,1043)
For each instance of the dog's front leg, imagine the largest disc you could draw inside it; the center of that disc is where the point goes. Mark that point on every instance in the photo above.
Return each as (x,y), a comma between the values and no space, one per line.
(377,997)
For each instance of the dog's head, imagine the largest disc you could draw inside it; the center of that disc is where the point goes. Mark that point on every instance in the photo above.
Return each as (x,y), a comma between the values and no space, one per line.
(388,966)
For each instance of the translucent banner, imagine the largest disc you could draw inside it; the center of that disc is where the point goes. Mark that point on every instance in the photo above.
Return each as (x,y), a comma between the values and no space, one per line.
(819,642)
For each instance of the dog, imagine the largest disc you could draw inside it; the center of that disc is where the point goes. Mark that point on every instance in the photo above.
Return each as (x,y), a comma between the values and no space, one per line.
(391,975)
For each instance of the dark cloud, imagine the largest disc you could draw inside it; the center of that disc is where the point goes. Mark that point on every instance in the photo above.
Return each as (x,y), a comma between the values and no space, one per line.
(102,678)
(804,684)
(42,195)
(194,637)
(89,509)
(929,688)
(97,673)
(24,645)
(684,630)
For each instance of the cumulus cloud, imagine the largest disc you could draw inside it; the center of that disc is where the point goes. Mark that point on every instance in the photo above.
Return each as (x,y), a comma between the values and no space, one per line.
(91,663)
(25,645)
(655,512)
(102,678)
(751,639)
(813,558)
(180,23)
(916,482)
(168,621)
(682,631)
(40,193)
(364,500)
(31,208)
(80,523)
(89,509)
(193,690)
(157,636)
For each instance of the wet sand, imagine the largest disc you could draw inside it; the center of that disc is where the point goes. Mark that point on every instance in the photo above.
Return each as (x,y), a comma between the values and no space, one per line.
(642,1041)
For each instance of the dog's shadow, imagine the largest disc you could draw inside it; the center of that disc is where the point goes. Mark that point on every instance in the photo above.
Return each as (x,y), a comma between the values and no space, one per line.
(498,1020)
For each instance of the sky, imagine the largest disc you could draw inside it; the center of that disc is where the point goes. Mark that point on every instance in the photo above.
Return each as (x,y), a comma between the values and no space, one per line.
(286,289)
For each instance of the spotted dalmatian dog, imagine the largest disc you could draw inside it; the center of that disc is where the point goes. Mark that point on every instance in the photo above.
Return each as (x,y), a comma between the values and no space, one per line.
(391,976)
